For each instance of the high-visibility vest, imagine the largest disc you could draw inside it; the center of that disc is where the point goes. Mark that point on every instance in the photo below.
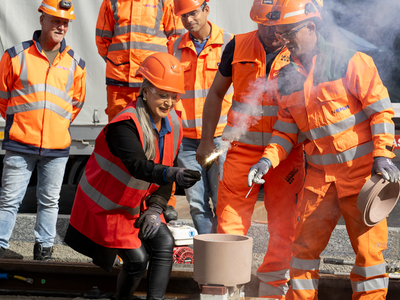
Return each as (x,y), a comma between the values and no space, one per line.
(127,31)
(108,200)
(253,112)
(39,101)
(199,76)
(343,109)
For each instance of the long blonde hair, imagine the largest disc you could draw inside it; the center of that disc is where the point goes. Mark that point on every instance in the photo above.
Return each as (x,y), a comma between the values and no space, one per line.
(145,123)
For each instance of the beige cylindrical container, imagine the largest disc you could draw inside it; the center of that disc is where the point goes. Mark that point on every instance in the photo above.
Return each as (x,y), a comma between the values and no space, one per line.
(222,259)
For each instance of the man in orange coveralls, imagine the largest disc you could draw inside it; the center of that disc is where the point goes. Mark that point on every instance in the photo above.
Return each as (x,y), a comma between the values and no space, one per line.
(336,98)
(247,61)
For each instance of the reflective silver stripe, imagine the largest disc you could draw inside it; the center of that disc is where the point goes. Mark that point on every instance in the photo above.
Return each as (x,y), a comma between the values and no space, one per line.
(345,156)
(370,285)
(198,122)
(177,52)
(120,174)
(48,7)
(254,110)
(286,127)
(305,264)
(301,137)
(74,64)
(41,88)
(5,95)
(266,289)
(39,105)
(137,45)
(103,201)
(285,144)
(337,127)
(104,33)
(175,129)
(273,276)
(382,128)
(191,94)
(23,77)
(378,106)
(247,137)
(370,271)
(304,284)
(294,13)
(137,28)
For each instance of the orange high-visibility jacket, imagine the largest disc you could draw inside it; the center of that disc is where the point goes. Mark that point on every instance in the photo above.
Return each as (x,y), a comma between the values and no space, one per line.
(199,76)
(108,200)
(254,111)
(39,101)
(344,111)
(127,31)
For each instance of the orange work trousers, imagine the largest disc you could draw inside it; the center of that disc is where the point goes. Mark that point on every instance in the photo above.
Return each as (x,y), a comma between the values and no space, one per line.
(118,97)
(282,196)
(319,215)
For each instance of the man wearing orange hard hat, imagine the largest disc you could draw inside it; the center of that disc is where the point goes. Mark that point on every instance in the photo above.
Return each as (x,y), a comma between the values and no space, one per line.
(42,90)
(336,98)
(199,50)
(247,62)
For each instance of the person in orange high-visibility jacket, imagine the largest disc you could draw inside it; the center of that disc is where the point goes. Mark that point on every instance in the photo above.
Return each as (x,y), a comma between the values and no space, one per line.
(128,180)
(127,31)
(336,98)
(42,90)
(199,51)
(247,62)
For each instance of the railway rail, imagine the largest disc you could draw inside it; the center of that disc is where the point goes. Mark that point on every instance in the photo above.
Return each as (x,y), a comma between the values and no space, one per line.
(63,279)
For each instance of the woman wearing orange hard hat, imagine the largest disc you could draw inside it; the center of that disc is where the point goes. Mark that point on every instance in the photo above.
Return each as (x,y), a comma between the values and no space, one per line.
(128,181)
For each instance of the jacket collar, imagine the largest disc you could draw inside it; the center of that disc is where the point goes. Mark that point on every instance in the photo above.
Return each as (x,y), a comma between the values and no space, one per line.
(215,38)
(36,35)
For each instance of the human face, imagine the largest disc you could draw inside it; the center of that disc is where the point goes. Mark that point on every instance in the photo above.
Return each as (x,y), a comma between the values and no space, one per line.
(267,35)
(298,38)
(53,31)
(160,102)
(195,20)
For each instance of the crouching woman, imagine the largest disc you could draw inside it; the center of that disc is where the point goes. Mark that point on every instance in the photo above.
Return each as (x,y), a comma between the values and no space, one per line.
(128,181)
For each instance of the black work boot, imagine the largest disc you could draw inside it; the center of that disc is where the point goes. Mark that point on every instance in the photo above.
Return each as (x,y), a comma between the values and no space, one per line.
(2,252)
(42,253)
(170,214)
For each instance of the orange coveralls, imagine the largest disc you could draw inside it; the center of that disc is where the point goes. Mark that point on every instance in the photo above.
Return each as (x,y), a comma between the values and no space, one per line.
(250,122)
(345,112)
(127,31)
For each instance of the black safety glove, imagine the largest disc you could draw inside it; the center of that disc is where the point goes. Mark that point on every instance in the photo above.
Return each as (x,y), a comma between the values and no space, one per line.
(185,178)
(149,222)
(386,167)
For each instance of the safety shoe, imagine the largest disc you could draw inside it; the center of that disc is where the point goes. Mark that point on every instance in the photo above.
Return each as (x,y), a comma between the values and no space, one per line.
(2,252)
(42,253)
(170,214)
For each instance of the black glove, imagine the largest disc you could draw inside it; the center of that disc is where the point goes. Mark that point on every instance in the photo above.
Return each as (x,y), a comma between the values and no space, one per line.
(185,178)
(386,167)
(149,222)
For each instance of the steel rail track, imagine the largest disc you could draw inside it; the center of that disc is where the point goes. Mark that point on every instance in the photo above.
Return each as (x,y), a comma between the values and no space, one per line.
(63,279)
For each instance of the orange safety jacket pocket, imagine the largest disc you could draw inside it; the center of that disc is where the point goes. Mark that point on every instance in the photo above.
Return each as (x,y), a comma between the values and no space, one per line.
(351,139)
(213,64)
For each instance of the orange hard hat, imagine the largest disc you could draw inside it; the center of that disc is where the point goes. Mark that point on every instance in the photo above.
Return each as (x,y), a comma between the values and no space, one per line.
(260,9)
(184,6)
(164,71)
(58,8)
(293,11)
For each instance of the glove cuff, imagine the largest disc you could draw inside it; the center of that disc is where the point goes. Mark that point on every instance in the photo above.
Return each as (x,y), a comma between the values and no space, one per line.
(157,200)
(266,161)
